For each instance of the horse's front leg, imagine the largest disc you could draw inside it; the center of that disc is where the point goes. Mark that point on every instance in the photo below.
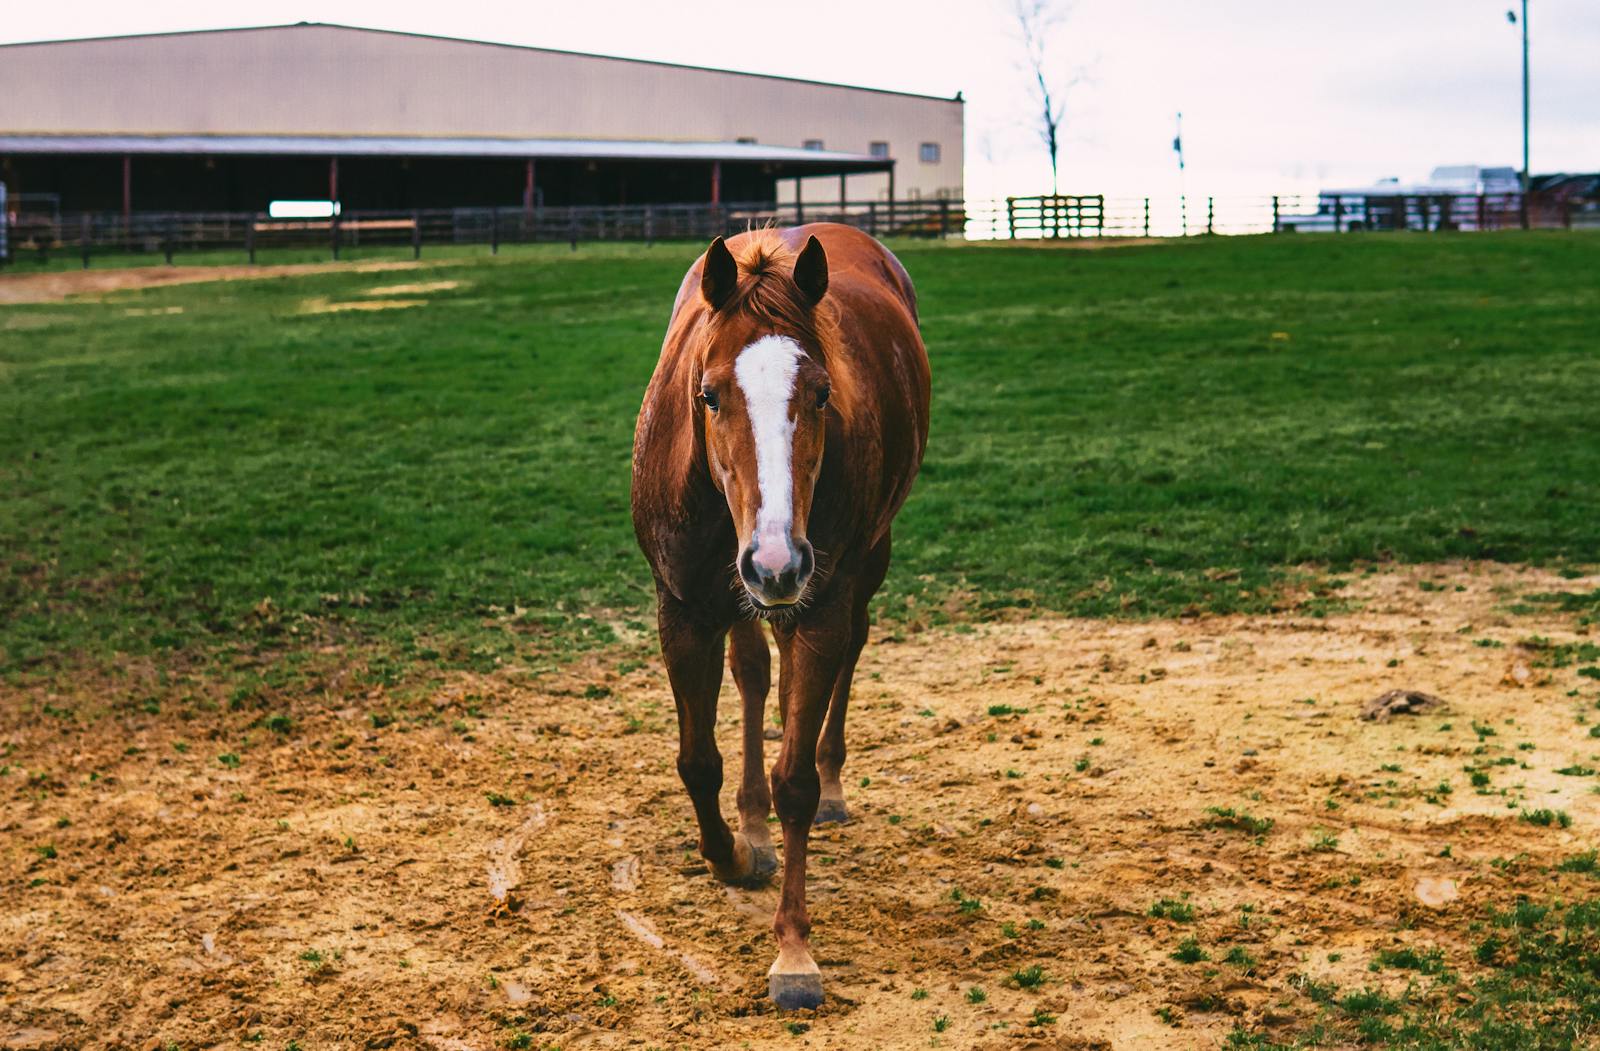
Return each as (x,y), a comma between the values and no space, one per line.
(692,650)
(752,672)
(810,656)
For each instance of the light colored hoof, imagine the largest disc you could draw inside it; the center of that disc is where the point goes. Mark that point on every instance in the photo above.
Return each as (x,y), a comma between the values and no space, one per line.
(750,865)
(793,990)
(831,812)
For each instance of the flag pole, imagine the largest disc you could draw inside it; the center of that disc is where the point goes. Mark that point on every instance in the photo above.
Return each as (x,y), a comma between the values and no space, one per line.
(1183,193)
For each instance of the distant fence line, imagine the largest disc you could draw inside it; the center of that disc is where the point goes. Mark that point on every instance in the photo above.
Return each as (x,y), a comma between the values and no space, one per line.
(85,235)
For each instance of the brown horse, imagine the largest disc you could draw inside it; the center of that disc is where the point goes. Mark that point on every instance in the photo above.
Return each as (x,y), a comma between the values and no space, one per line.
(779,435)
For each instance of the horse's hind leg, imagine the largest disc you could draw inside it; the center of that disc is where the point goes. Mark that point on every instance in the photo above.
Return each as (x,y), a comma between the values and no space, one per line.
(693,655)
(830,751)
(752,673)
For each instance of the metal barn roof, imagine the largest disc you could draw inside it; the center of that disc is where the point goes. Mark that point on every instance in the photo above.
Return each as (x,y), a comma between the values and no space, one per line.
(428,146)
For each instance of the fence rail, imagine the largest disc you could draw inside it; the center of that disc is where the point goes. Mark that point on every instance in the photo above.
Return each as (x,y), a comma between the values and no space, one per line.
(43,234)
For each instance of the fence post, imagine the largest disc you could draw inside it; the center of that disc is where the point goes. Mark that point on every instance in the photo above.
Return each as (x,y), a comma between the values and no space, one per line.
(333,231)
(649,226)
(572,229)
(494,230)
(872,218)
(1011,217)
(1147,217)
(416,235)
(1211,212)
(84,235)
(1338,215)
(171,235)
(944,219)
(1275,213)
(250,239)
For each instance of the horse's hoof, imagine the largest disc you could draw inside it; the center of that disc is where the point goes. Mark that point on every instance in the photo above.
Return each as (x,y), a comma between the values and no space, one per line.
(831,812)
(766,863)
(750,865)
(793,990)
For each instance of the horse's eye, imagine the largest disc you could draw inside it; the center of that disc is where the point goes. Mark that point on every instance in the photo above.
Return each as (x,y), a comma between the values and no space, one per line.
(710,398)
(822,397)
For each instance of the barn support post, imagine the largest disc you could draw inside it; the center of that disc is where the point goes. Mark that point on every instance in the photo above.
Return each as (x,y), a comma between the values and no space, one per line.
(85,232)
(716,183)
(527,196)
(799,204)
(891,200)
(416,235)
(843,197)
(333,203)
(127,200)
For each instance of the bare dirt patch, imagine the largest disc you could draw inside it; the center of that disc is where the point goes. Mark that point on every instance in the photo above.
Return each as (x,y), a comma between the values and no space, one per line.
(418,288)
(56,286)
(323,305)
(508,860)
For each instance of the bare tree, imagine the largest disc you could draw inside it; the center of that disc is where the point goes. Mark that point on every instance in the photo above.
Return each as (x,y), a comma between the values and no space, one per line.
(1037,21)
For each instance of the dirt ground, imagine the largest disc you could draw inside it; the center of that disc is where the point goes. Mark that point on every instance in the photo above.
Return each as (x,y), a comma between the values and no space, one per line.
(335,886)
(55,286)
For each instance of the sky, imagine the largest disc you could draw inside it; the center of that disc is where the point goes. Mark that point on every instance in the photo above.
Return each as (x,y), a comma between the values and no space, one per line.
(1277,96)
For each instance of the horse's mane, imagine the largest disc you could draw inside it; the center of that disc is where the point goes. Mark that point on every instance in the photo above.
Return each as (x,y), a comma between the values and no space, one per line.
(767,293)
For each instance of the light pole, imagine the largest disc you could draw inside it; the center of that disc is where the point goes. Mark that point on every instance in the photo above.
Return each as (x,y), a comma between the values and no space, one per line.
(1527,174)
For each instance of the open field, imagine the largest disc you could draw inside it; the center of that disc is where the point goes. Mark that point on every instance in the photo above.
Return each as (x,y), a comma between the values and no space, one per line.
(320,616)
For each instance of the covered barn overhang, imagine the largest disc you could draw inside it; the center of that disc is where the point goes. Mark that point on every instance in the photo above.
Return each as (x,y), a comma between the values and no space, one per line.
(196,172)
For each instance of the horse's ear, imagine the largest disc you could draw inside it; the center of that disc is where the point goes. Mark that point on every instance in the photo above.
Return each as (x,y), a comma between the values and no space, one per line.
(720,275)
(811,271)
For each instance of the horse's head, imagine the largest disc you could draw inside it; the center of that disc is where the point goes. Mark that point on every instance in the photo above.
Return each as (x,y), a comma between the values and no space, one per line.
(763,399)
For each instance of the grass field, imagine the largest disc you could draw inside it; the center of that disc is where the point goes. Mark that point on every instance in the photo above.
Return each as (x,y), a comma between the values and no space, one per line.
(1136,431)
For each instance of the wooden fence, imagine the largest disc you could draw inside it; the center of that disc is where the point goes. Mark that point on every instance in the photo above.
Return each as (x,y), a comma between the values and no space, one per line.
(169,234)
(41,235)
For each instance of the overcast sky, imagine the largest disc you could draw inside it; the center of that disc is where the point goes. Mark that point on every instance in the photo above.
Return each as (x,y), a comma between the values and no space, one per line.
(1276,96)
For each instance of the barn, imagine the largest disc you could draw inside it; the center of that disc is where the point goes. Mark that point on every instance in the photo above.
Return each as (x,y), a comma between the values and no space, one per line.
(233,120)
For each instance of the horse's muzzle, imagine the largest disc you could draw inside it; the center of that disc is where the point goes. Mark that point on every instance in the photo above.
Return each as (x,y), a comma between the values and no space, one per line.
(776,575)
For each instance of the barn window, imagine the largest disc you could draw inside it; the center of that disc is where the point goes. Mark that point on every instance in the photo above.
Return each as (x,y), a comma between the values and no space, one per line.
(813,144)
(879,149)
(929,153)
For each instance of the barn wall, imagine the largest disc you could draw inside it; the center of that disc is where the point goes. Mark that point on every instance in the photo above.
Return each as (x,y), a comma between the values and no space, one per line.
(340,81)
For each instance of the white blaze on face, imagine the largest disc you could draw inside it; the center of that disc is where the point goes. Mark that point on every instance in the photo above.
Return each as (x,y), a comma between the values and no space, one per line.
(765,371)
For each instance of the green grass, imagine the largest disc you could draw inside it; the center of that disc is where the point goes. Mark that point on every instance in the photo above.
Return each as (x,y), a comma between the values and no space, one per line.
(1114,432)
(1534,988)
